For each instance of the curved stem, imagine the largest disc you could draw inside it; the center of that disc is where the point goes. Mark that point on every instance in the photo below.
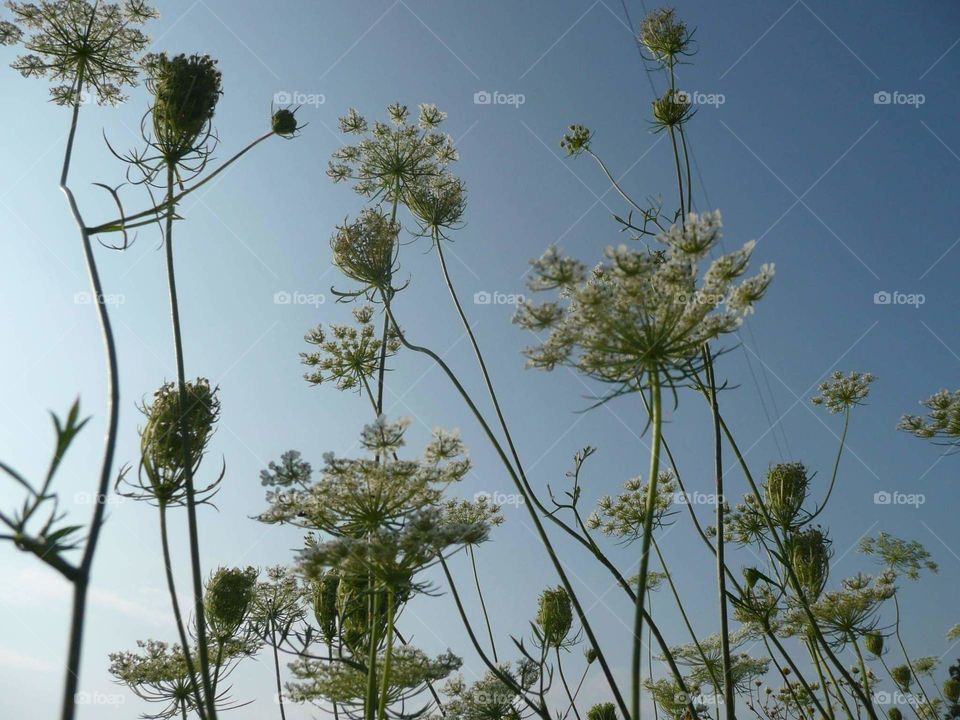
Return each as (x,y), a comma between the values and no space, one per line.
(538,525)
(656,422)
(203,650)
(903,648)
(491,666)
(614,183)
(171,201)
(520,477)
(82,579)
(483,605)
(836,464)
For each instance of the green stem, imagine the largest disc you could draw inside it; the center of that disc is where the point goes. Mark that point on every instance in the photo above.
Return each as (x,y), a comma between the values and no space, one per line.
(836,464)
(182,400)
(387,658)
(81,582)
(656,423)
(538,525)
(683,614)
(177,614)
(566,687)
(483,605)
(276,671)
(728,697)
(170,203)
(373,604)
(520,478)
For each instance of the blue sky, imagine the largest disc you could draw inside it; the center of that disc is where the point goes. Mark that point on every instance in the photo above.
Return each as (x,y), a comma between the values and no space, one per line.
(850,197)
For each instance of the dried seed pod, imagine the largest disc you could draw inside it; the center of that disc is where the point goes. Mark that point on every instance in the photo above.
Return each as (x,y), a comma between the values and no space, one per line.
(325,605)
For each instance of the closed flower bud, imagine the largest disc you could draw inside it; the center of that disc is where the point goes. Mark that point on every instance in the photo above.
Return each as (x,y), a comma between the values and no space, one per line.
(590,654)
(951,690)
(894,714)
(603,711)
(874,643)
(325,605)
(902,677)
(227,599)
(785,491)
(554,616)
(284,123)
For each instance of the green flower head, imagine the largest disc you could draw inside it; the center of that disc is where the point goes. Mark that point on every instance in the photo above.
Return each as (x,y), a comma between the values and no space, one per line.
(227,599)
(186,90)
(554,616)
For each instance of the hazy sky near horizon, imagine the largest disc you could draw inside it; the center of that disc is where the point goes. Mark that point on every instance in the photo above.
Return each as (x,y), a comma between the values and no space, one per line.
(828,131)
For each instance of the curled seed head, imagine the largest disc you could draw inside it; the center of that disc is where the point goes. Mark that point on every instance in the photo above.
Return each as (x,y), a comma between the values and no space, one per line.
(227,599)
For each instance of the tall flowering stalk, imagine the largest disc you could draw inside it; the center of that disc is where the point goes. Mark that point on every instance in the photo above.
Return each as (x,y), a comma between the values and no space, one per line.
(82,47)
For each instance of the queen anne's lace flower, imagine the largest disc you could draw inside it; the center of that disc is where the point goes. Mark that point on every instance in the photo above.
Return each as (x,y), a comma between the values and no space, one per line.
(623,516)
(82,46)
(391,160)
(942,424)
(842,392)
(664,36)
(640,312)
(346,685)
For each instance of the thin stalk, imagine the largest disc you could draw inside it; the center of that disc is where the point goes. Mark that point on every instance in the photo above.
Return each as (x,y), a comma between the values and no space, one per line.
(387,658)
(520,478)
(483,605)
(373,603)
(863,668)
(833,680)
(728,697)
(730,575)
(566,687)
(177,614)
(836,463)
(276,672)
(538,525)
(204,651)
(683,614)
(172,200)
(82,579)
(491,666)
(903,648)
(792,576)
(614,183)
(823,680)
(656,422)
(576,693)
